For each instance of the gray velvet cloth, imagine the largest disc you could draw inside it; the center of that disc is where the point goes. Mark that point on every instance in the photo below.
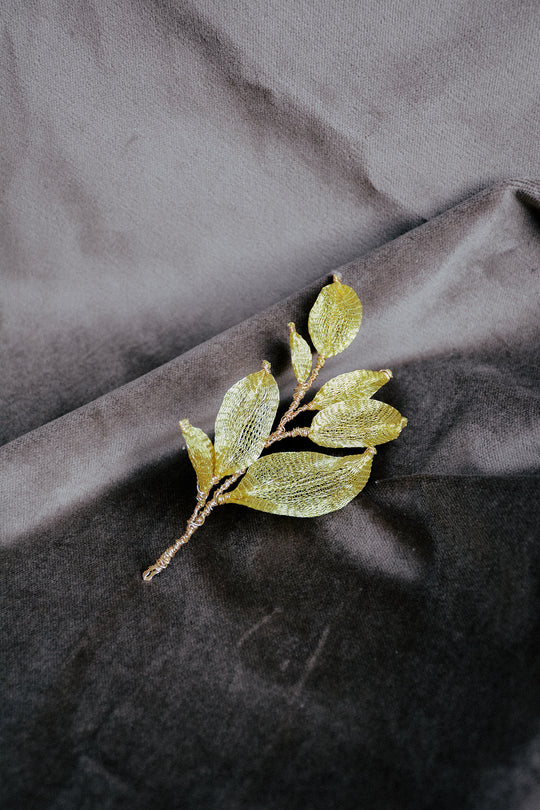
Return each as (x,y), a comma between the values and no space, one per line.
(178,180)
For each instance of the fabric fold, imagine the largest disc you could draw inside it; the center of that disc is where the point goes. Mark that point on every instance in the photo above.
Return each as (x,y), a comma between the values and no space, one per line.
(379,639)
(105,442)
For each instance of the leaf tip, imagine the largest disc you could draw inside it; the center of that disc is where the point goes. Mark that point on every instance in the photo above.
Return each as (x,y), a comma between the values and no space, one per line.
(403,422)
(184,424)
(336,278)
(292,327)
(386,372)
(266,366)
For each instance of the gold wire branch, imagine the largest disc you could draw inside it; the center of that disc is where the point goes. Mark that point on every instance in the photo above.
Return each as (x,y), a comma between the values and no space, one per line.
(303,484)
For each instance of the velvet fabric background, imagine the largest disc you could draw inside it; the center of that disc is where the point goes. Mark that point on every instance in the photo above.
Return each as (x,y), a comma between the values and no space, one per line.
(178,179)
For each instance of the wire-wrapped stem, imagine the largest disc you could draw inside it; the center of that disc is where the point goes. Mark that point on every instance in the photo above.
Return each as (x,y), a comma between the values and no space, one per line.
(205,506)
(195,522)
(294,408)
(287,434)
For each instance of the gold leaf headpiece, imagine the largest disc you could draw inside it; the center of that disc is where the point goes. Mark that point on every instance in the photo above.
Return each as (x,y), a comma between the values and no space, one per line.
(302,484)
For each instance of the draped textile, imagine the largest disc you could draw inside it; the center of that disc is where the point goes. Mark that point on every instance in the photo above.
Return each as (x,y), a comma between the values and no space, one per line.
(178,179)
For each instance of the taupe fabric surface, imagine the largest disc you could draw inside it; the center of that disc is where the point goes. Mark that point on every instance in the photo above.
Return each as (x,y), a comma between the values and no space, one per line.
(177,181)
(171,168)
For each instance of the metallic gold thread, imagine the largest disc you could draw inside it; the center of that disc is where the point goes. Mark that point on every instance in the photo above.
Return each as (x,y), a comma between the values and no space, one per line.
(303,484)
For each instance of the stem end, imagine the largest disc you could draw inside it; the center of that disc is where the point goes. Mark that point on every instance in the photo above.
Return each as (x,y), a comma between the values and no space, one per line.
(151,572)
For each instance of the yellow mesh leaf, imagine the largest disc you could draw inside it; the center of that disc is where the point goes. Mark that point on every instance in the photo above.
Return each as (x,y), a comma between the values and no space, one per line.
(301,356)
(302,484)
(244,421)
(200,452)
(335,318)
(354,385)
(356,424)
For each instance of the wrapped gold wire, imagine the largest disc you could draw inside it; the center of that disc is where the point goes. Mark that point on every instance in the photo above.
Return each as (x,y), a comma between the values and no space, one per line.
(301,484)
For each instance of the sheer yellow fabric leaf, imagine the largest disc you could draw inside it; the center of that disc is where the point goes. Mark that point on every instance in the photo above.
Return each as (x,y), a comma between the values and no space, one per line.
(301,356)
(244,421)
(201,454)
(302,484)
(335,318)
(354,385)
(356,424)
